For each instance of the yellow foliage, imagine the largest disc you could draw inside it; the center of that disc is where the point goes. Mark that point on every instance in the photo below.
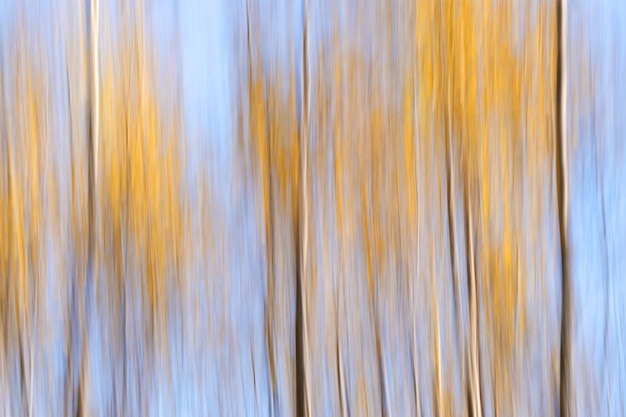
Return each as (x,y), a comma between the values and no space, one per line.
(491,97)
(140,205)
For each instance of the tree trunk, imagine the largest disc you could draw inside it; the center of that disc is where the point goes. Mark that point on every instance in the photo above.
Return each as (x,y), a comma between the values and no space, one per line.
(561,184)
(302,397)
(474,360)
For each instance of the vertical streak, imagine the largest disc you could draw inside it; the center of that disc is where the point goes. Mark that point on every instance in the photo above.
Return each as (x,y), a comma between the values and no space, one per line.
(561,183)
(563,101)
(439,393)
(268,267)
(416,385)
(302,397)
(338,164)
(474,360)
(451,191)
(607,269)
(94,17)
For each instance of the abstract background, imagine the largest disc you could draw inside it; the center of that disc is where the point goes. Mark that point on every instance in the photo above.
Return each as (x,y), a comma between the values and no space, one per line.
(312,207)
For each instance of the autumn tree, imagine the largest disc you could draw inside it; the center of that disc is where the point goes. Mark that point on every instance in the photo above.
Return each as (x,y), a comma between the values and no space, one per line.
(139,252)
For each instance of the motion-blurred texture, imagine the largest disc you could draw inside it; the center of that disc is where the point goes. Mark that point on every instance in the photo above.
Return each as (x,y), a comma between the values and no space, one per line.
(312,208)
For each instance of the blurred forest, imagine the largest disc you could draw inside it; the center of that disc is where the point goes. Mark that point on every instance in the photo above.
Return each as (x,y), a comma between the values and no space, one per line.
(312,208)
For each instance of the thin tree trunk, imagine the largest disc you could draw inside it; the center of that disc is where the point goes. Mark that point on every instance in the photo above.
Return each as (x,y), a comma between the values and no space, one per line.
(474,362)
(338,162)
(95,98)
(452,237)
(92,143)
(302,397)
(268,238)
(92,133)
(437,337)
(75,312)
(562,196)
(416,385)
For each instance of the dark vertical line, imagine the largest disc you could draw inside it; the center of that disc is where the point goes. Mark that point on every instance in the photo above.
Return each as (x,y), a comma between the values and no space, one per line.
(474,314)
(470,295)
(300,404)
(269,229)
(339,380)
(72,383)
(6,274)
(299,326)
(268,226)
(560,184)
(90,162)
(381,365)
(451,221)
(86,284)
